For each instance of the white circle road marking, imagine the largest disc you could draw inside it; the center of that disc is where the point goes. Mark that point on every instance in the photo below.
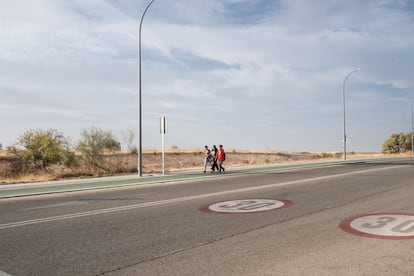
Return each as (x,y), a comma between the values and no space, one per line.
(390,226)
(243,206)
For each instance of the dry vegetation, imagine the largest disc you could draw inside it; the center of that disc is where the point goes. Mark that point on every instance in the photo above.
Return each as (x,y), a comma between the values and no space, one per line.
(175,160)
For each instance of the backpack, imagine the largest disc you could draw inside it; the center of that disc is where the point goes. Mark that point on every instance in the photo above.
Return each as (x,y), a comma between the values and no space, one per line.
(224,156)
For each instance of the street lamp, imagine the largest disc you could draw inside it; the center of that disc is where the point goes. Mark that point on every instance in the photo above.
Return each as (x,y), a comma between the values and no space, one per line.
(412,129)
(139,93)
(343,100)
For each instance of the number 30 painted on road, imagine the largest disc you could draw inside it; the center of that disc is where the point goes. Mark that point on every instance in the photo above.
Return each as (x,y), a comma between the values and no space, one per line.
(243,206)
(394,226)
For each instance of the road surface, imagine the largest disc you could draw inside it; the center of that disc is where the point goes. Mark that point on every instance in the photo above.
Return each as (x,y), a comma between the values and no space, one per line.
(345,219)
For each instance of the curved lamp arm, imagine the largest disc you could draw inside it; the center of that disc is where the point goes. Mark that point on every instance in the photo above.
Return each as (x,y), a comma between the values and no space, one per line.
(139,92)
(343,101)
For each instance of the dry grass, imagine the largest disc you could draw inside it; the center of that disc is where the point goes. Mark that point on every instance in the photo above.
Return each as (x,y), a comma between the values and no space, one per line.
(175,160)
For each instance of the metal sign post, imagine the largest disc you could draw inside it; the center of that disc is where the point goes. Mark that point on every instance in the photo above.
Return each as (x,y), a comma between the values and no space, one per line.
(163,130)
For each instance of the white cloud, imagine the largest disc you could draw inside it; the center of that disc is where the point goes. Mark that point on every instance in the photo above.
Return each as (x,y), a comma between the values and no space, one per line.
(255,74)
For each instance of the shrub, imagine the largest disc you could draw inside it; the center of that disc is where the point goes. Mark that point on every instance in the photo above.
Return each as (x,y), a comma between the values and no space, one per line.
(397,143)
(42,148)
(94,143)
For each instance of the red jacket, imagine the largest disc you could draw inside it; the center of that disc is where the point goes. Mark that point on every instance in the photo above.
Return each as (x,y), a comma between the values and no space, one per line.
(220,154)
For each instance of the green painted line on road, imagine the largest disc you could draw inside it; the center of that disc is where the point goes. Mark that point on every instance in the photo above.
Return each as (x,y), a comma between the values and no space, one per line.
(19,190)
(73,186)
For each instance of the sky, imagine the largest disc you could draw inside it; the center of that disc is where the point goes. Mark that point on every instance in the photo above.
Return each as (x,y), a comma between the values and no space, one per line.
(248,74)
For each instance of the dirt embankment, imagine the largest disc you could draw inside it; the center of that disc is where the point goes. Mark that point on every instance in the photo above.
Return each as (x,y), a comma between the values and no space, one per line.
(124,163)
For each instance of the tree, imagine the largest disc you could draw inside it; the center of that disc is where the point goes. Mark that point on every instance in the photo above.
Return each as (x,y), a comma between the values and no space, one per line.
(128,137)
(94,143)
(42,148)
(397,143)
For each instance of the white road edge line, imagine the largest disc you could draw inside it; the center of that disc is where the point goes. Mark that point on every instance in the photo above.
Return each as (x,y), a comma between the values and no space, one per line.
(178,200)
(4,273)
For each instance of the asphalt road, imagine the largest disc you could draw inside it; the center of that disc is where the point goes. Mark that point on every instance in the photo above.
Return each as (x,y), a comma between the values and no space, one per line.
(168,228)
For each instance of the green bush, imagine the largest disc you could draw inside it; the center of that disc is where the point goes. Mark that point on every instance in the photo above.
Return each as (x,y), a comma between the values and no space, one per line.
(397,143)
(94,143)
(41,148)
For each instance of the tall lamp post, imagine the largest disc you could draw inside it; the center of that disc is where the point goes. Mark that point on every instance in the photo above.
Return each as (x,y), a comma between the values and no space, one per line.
(139,93)
(412,129)
(343,101)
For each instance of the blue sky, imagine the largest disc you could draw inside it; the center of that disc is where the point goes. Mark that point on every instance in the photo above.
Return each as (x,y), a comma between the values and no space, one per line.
(248,74)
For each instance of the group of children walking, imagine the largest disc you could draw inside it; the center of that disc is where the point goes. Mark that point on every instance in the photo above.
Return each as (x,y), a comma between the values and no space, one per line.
(215,157)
